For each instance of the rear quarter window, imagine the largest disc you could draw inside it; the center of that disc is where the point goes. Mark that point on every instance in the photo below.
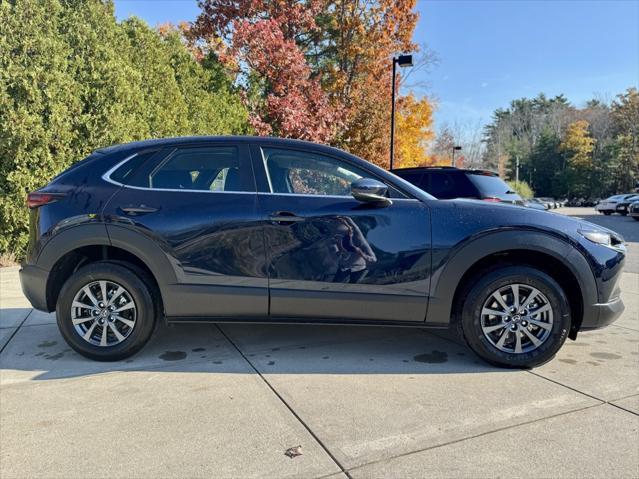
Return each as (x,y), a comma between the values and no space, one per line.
(125,172)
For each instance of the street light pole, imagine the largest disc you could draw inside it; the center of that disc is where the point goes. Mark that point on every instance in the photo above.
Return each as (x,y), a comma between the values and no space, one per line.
(402,61)
(392,133)
(455,148)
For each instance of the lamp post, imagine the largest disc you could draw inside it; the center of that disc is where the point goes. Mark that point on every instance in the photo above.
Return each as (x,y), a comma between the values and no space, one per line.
(455,148)
(402,61)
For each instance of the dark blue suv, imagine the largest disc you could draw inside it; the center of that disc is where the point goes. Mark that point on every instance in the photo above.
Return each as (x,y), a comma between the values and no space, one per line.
(248,229)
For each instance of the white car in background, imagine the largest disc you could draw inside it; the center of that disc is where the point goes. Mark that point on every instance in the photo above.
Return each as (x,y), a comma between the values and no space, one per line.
(609,205)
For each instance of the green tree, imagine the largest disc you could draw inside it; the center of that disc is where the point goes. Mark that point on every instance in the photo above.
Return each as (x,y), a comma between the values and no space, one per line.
(39,107)
(625,115)
(72,79)
(547,163)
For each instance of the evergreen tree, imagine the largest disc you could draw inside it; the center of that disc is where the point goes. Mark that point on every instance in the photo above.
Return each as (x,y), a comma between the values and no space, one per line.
(72,79)
(39,107)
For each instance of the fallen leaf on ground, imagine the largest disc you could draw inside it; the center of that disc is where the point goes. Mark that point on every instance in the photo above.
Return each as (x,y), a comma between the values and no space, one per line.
(293,451)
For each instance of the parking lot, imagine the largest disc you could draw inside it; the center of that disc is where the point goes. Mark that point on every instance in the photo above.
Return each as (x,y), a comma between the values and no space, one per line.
(230,400)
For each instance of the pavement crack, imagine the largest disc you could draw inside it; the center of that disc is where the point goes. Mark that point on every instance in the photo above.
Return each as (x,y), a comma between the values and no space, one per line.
(286,404)
(568,387)
(16,331)
(468,438)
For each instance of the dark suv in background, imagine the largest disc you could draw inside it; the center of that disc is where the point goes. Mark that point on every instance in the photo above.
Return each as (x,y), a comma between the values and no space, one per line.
(247,229)
(447,182)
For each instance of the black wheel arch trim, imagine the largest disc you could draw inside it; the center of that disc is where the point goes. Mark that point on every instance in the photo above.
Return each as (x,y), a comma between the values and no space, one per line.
(67,240)
(445,279)
(101,234)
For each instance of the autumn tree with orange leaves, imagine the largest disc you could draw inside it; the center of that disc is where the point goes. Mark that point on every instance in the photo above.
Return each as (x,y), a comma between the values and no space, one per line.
(414,128)
(319,69)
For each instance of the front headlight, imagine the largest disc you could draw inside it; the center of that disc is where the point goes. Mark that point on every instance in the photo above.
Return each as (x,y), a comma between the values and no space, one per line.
(603,238)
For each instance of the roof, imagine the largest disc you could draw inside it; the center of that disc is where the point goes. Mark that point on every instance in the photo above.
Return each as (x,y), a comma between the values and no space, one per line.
(423,168)
(179,140)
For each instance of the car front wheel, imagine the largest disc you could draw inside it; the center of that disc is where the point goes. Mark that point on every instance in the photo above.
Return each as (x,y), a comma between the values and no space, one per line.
(515,316)
(105,311)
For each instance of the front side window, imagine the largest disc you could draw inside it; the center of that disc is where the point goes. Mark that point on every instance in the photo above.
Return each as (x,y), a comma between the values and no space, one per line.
(200,169)
(298,172)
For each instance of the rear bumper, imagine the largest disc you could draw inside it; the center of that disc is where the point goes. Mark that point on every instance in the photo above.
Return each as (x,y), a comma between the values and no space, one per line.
(607,313)
(34,286)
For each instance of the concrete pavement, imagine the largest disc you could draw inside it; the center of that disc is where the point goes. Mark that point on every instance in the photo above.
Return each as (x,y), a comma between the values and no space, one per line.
(228,401)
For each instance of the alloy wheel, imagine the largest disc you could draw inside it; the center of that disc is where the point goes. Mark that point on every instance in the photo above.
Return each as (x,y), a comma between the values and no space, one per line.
(517,318)
(103,313)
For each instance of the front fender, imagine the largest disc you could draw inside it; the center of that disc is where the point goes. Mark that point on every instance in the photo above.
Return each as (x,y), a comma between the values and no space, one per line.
(447,274)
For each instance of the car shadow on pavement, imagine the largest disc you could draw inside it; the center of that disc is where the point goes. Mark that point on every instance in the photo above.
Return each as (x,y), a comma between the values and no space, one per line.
(40,353)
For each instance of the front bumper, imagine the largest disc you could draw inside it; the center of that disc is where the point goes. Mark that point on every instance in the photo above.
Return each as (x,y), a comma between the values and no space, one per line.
(607,314)
(34,286)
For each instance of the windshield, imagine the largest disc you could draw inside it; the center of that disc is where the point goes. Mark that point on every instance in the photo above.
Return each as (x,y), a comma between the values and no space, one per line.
(490,185)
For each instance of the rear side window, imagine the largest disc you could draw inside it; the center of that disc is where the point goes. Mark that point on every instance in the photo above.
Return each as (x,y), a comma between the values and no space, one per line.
(489,185)
(448,185)
(126,171)
(416,178)
(214,168)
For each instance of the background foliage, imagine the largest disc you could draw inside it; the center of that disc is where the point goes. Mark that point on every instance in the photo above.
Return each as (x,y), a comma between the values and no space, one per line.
(320,69)
(565,151)
(72,79)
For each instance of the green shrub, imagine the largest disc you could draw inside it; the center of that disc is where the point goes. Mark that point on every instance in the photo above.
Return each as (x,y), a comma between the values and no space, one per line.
(522,188)
(72,79)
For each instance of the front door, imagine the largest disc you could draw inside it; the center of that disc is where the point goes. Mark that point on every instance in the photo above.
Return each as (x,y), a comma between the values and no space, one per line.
(200,205)
(333,257)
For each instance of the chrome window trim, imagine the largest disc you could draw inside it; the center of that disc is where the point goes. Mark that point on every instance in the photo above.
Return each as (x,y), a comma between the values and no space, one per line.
(350,197)
(107,177)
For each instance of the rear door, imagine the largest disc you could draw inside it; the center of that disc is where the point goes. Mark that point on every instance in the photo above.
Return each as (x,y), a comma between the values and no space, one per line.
(200,205)
(331,256)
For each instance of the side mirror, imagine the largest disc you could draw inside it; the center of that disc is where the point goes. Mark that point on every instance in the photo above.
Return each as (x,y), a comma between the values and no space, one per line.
(368,190)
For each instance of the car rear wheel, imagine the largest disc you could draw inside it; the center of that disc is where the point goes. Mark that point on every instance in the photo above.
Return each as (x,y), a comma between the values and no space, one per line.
(515,316)
(105,311)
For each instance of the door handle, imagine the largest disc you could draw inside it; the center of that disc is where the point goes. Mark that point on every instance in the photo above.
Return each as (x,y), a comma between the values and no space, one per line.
(284,217)
(138,210)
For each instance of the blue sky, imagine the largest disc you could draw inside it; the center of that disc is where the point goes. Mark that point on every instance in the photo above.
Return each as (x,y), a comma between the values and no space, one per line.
(491,52)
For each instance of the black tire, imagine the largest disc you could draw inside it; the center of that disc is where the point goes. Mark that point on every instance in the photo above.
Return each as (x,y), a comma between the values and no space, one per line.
(636,218)
(483,288)
(623,213)
(135,285)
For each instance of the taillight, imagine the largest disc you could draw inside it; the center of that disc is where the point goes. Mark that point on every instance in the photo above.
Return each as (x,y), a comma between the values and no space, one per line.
(37,199)
(492,199)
